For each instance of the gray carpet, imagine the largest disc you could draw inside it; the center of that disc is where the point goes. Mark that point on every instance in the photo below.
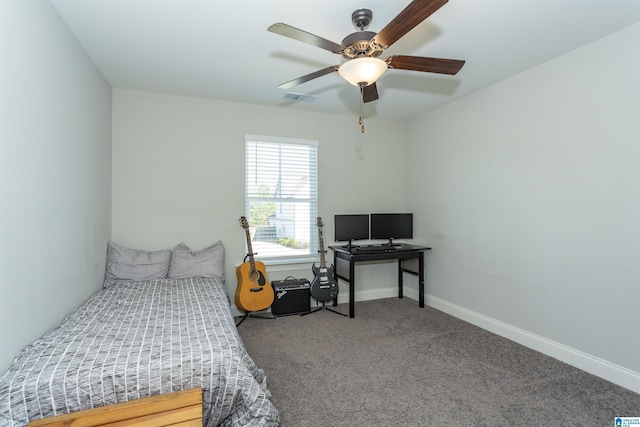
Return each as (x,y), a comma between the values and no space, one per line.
(396,364)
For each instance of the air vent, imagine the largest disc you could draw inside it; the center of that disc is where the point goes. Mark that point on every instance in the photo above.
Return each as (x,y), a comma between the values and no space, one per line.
(299,97)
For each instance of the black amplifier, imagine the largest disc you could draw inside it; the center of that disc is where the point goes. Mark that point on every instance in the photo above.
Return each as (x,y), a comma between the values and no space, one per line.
(292,296)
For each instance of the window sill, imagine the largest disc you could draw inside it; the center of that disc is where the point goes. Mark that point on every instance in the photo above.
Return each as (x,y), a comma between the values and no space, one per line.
(281,264)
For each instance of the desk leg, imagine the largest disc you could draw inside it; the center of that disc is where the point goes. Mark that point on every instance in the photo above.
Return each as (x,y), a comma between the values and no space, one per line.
(400,294)
(335,275)
(352,288)
(421,279)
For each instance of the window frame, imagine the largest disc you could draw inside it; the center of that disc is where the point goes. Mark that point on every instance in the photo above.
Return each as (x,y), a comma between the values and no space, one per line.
(311,256)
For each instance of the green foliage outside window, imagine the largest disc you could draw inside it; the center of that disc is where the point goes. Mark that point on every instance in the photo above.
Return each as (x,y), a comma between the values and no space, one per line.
(292,243)
(259,212)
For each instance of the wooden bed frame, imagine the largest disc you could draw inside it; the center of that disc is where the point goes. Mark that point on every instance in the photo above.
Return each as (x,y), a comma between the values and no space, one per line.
(180,408)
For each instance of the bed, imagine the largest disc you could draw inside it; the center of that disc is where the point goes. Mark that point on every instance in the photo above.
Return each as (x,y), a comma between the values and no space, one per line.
(139,338)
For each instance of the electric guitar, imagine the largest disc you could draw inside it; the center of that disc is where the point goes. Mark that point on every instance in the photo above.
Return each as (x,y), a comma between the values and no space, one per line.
(253,293)
(323,287)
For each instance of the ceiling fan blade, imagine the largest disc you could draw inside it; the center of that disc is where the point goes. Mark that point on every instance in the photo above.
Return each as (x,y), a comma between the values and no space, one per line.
(305,37)
(420,63)
(412,15)
(370,93)
(308,77)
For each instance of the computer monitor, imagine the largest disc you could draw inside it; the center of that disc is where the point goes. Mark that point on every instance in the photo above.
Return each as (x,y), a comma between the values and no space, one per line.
(391,226)
(351,227)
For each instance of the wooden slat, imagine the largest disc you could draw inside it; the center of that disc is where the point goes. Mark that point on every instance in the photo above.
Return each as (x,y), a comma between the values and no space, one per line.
(192,423)
(159,419)
(163,410)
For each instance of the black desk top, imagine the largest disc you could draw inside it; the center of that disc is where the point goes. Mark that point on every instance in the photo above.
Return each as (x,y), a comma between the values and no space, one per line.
(378,250)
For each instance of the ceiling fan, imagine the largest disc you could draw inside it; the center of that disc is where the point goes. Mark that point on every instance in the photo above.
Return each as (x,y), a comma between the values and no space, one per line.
(362,49)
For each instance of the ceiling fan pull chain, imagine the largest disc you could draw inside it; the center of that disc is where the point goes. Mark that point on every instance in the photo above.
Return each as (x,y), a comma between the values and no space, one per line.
(361,96)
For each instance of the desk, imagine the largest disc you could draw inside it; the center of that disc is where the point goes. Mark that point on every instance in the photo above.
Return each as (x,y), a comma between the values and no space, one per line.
(344,260)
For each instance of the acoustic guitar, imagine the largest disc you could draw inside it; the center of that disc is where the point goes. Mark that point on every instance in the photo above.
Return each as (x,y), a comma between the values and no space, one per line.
(323,287)
(253,293)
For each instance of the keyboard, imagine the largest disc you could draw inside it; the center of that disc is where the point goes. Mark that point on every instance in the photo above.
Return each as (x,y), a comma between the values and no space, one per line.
(377,249)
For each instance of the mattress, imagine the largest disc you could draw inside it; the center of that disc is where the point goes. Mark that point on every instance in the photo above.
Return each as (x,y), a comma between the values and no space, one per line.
(139,339)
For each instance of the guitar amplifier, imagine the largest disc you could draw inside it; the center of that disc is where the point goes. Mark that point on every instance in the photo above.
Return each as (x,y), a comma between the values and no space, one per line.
(292,296)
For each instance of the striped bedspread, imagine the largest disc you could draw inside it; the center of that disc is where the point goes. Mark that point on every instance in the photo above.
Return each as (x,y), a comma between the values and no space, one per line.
(135,340)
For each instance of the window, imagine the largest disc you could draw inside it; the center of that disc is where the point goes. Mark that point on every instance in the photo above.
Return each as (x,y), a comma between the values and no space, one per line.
(281,198)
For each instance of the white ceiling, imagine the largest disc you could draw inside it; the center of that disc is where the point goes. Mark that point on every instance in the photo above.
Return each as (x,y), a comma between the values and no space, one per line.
(221,49)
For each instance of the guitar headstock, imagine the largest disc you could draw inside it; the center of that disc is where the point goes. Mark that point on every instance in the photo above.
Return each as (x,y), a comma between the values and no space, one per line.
(319,222)
(244,223)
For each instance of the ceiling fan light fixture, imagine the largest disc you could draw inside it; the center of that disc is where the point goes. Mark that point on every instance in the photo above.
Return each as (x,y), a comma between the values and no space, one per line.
(362,71)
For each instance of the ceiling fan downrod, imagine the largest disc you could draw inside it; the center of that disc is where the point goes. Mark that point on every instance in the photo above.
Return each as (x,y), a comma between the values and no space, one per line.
(361,18)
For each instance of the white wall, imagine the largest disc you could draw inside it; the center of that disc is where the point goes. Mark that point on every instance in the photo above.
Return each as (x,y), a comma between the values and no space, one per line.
(55,169)
(531,201)
(178,175)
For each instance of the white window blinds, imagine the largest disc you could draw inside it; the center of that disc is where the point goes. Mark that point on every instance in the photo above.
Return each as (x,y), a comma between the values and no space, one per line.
(281,197)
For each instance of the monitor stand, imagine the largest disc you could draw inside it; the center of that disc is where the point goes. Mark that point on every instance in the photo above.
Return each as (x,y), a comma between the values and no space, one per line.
(349,245)
(390,243)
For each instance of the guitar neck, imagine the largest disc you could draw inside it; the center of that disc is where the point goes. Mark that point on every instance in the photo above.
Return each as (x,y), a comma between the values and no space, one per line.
(323,263)
(252,263)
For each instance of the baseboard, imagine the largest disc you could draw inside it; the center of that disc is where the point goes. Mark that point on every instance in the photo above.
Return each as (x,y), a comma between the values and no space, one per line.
(366,295)
(609,371)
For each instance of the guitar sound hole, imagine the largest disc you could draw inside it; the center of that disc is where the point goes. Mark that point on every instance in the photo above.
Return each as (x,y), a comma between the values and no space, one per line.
(254,275)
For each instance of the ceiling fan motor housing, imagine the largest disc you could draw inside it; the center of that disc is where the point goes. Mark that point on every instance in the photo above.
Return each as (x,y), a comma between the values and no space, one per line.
(357,44)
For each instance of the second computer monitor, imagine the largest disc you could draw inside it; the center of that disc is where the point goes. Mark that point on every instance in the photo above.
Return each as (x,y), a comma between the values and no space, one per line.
(391,226)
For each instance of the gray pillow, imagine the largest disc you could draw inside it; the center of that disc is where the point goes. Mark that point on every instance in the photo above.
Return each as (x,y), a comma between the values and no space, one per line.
(208,262)
(132,265)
